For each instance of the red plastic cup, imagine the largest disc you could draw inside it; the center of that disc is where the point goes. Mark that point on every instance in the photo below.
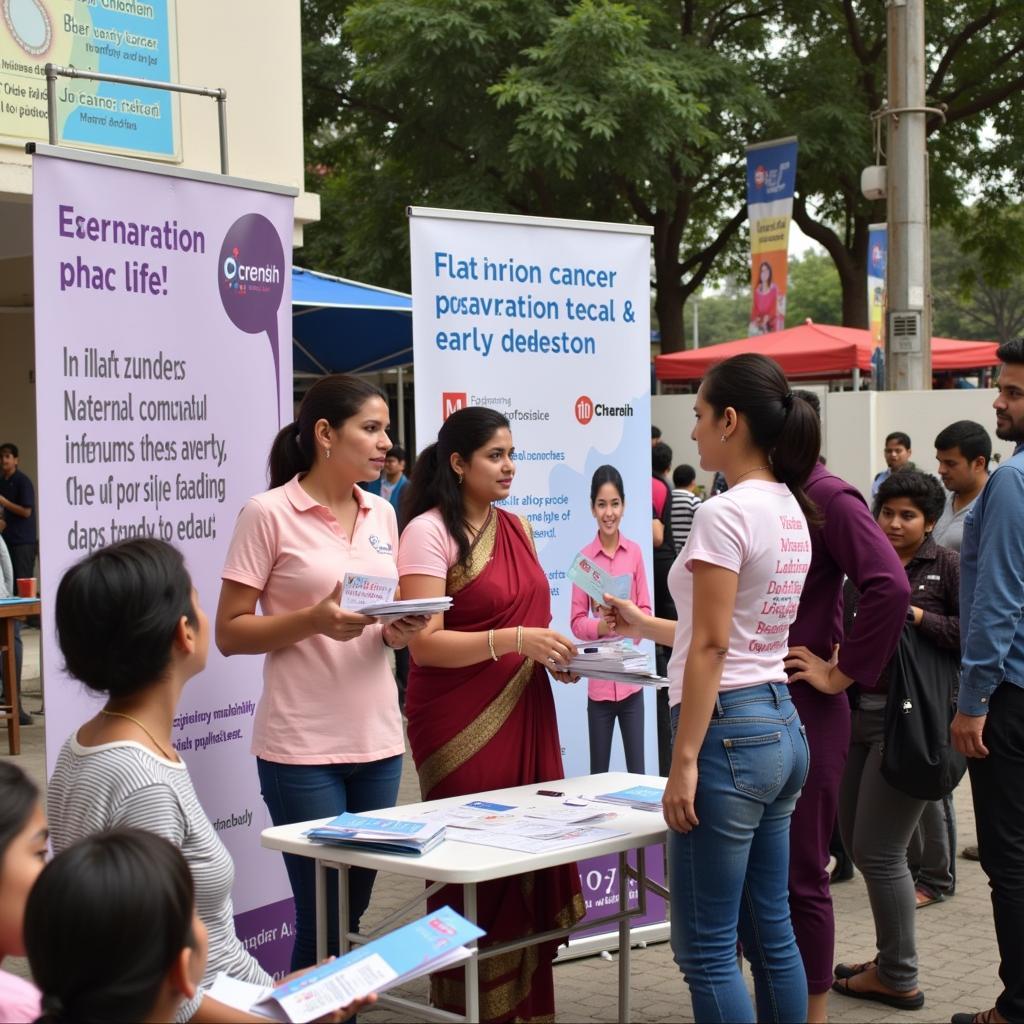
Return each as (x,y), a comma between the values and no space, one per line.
(26,587)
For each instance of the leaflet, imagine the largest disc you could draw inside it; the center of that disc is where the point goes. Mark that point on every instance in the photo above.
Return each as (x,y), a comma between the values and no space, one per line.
(536,839)
(359,590)
(422,947)
(595,582)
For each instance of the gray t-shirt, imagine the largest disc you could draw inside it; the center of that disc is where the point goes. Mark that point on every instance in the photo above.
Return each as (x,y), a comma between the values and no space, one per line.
(949,529)
(124,785)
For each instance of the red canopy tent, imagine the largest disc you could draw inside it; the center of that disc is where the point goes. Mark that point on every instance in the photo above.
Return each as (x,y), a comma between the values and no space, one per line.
(819,350)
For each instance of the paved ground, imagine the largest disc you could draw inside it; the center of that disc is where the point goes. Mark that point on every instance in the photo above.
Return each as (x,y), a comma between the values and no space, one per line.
(956,944)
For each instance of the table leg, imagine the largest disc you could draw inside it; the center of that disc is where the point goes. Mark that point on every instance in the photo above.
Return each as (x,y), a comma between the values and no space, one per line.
(321,909)
(624,934)
(11,677)
(472,964)
(344,899)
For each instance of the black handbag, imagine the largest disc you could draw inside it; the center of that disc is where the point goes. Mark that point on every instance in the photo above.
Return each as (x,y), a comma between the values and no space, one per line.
(917,757)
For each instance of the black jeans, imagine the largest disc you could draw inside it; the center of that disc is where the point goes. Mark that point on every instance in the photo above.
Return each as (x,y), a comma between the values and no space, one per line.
(601,718)
(999,812)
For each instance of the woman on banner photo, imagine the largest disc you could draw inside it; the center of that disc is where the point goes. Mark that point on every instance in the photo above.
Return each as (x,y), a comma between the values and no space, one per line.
(480,710)
(767,312)
(740,755)
(610,702)
(327,733)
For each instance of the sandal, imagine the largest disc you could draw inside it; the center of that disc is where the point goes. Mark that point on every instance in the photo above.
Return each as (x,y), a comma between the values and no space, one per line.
(893,999)
(927,897)
(845,971)
(983,1017)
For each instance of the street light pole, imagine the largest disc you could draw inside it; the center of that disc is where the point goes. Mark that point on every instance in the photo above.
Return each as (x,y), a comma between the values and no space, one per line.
(908,338)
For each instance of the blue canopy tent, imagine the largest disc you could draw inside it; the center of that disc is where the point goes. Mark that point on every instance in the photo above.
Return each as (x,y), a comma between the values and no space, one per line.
(341,326)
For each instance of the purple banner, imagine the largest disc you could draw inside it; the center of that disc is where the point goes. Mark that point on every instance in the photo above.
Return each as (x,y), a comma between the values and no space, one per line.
(600,881)
(160,303)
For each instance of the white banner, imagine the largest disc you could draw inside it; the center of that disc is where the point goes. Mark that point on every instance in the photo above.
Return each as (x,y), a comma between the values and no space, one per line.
(548,323)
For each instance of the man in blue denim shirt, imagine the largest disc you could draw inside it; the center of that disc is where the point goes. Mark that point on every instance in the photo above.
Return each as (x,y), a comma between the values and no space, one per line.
(989,724)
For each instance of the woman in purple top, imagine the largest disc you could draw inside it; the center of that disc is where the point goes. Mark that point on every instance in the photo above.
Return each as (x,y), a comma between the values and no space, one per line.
(850,544)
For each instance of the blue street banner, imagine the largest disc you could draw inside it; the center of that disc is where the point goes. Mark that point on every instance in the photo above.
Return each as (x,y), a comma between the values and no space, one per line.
(771,178)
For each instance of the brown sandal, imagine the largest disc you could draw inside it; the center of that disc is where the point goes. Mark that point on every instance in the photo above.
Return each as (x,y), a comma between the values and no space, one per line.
(852,970)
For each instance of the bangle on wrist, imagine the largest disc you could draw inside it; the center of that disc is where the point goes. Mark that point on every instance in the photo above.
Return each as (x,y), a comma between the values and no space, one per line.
(519,639)
(490,644)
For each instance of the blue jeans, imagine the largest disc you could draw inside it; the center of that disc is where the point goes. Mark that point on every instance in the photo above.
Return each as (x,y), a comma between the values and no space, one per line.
(301,792)
(730,875)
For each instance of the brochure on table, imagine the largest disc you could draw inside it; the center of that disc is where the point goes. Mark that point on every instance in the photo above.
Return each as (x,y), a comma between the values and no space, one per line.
(432,943)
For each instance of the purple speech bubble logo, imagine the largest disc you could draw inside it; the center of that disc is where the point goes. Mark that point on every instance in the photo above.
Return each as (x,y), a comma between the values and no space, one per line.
(251,274)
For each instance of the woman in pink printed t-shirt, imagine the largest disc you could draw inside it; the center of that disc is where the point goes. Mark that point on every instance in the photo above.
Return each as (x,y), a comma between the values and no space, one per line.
(607,701)
(740,754)
(327,733)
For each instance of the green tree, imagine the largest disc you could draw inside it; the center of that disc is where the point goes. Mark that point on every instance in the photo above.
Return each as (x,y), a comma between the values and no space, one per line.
(813,292)
(608,111)
(830,75)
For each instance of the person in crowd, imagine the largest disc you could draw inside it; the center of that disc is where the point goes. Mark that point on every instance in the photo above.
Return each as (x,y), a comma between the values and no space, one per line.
(876,818)
(7,589)
(740,756)
(989,724)
(112,933)
(685,501)
(719,485)
(608,701)
(130,627)
(479,705)
(848,543)
(664,556)
(963,451)
(897,458)
(655,435)
(327,733)
(391,483)
(18,509)
(23,851)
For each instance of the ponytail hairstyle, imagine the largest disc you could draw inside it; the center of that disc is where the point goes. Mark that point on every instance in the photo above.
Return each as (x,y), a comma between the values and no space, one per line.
(606,475)
(434,483)
(782,424)
(335,398)
(104,923)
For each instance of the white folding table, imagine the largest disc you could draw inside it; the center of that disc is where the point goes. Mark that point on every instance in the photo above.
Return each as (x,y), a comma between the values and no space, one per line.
(465,864)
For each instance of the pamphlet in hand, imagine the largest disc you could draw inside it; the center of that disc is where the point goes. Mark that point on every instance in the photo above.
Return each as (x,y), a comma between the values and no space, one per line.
(359,590)
(643,798)
(430,944)
(409,836)
(595,582)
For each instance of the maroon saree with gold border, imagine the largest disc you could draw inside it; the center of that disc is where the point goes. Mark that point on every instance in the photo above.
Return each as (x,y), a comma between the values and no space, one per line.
(488,726)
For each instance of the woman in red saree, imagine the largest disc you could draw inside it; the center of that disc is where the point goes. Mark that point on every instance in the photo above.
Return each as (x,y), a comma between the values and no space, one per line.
(479,705)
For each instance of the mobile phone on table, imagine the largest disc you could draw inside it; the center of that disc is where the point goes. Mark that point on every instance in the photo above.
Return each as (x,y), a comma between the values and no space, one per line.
(549,792)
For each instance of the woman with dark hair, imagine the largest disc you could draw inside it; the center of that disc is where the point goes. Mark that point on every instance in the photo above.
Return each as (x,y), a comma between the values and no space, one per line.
(607,701)
(739,755)
(876,819)
(22,856)
(479,705)
(327,733)
(112,933)
(130,627)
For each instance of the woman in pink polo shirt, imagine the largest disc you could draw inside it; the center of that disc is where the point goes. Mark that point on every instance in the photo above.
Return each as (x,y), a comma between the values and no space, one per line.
(328,733)
(619,556)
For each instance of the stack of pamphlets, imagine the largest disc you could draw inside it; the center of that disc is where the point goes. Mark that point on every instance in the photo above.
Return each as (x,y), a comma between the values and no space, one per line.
(619,661)
(410,836)
(642,798)
(373,596)
(430,944)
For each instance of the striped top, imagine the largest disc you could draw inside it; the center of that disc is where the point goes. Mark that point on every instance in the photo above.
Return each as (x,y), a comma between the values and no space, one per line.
(684,504)
(124,785)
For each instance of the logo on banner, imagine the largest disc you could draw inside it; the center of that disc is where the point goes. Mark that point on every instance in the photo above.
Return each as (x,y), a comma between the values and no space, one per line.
(452,401)
(251,272)
(584,409)
(773,180)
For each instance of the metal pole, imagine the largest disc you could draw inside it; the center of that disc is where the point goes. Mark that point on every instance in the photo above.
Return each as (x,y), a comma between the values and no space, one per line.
(51,102)
(401,406)
(222,126)
(696,324)
(908,346)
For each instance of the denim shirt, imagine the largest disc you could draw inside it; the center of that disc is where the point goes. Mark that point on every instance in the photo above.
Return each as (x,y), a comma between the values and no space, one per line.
(992,588)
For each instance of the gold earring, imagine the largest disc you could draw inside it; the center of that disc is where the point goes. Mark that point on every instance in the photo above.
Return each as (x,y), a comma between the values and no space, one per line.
(724,439)
(459,475)
(327,453)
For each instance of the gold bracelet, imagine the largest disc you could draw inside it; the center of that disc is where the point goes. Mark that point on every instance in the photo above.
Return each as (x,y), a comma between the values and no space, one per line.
(519,639)
(490,644)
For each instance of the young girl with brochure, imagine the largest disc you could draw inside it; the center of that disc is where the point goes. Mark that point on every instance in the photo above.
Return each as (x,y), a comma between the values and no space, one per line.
(607,701)
(327,733)
(739,755)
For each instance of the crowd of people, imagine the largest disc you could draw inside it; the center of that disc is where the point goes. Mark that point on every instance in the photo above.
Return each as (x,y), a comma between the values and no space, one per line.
(785,613)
